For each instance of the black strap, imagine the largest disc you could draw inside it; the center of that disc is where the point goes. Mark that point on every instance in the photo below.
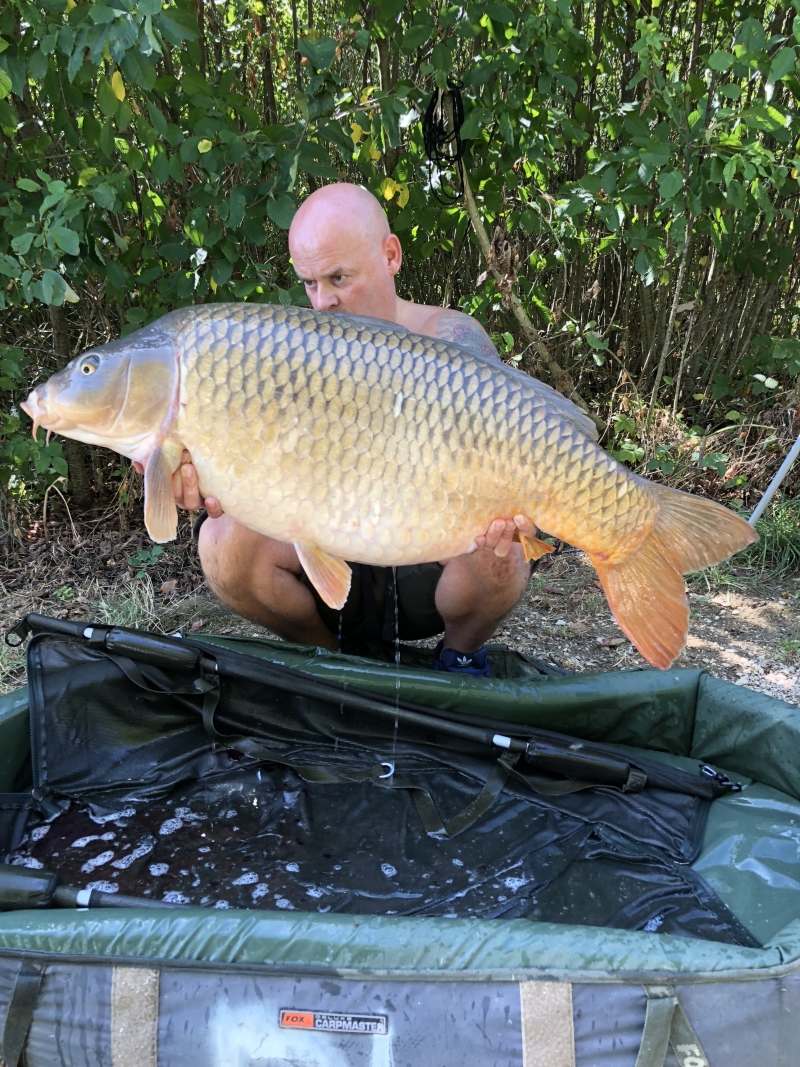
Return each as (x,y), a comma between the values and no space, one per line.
(207,686)
(382,774)
(468,816)
(550,787)
(20,1011)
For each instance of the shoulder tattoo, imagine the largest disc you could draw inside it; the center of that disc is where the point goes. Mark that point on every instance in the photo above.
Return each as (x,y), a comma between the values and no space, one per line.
(467,333)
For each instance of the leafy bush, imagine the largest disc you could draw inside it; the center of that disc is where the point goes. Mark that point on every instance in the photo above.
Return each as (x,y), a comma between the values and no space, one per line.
(26,465)
(644,168)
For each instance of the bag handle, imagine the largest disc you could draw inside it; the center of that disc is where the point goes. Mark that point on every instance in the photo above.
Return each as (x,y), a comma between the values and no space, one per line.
(666,1023)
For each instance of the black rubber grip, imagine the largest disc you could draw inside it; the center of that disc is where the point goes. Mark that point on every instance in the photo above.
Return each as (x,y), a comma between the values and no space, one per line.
(25,887)
(153,649)
(577,762)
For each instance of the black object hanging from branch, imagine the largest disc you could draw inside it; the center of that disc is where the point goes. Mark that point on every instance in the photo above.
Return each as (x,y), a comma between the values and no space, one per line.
(441,131)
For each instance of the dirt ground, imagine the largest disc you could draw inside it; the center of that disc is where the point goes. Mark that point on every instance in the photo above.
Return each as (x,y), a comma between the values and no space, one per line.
(744,627)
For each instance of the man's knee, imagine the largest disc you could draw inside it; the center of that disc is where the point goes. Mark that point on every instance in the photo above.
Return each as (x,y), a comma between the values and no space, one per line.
(512,570)
(482,583)
(504,574)
(512,580)
(216,547)
(236,560)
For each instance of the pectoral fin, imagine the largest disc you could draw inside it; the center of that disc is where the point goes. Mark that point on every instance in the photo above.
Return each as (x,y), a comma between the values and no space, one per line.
(160,510)
(532,546)
(329,576)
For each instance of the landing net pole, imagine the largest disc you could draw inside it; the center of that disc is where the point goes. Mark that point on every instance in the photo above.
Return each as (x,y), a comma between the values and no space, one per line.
(775,483)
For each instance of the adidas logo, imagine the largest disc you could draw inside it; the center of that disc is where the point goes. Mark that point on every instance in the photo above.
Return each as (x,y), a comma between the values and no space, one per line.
(463,661)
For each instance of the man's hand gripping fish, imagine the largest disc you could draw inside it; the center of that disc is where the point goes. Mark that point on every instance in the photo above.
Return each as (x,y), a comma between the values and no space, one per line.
(354,439)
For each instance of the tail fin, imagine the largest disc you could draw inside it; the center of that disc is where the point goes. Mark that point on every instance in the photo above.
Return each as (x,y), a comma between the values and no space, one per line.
(645,590)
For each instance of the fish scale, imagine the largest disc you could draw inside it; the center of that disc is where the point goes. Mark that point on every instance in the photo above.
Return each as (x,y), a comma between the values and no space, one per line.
(354,439)
(324,445)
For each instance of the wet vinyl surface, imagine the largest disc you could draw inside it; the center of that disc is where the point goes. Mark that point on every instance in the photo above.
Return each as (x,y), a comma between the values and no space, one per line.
(263,837)
(280,792)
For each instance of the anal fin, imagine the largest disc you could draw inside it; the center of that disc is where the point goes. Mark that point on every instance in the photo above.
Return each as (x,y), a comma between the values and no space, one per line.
(160,509)
(532,546)
(329,575)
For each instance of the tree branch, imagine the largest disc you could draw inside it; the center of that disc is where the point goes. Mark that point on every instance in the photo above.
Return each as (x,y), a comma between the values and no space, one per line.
(561,379)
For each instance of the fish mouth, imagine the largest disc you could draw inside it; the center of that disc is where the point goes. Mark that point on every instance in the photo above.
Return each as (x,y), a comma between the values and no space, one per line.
(36,410)
(30,407)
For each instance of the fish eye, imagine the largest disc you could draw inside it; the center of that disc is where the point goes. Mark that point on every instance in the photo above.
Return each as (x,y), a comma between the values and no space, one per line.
(89,365)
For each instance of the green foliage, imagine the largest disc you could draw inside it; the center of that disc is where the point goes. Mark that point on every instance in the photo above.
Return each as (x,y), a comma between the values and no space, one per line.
(145,558)
(626,445)
(149,162)
(25,462)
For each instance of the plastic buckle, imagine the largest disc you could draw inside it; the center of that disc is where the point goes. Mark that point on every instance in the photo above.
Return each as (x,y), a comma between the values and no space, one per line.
(722,781)
(637,780)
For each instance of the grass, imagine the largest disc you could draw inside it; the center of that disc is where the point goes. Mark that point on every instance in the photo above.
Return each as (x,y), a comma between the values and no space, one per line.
(12,667)
(776,553)
(788,649)
(720,576)
(137,606)
(133,606)
(779,548)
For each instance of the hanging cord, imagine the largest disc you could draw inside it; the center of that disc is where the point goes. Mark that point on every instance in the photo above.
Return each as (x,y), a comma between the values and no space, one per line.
(441,131)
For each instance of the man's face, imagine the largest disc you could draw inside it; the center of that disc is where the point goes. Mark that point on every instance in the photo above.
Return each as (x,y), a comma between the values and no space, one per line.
(344,271)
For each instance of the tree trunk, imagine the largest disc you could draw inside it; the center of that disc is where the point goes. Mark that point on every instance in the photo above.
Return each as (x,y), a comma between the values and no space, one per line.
(681,365)
(75,452)
(297,75)
(647,320)
(270,106)
(597,44)
(706,300)
(386,69)
(201,25)
(698,29)
(268,81)
(451,271)
(676,297)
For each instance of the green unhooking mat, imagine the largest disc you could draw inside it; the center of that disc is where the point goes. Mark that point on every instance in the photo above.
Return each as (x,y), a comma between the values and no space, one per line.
(217,779)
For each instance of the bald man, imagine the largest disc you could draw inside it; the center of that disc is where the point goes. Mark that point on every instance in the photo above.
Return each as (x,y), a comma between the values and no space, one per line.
(347,259)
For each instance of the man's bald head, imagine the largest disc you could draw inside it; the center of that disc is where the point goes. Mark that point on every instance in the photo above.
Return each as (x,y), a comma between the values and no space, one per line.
(341,205)
(344,252)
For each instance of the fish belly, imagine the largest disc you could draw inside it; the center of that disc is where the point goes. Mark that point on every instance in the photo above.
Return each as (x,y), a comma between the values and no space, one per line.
(381,446)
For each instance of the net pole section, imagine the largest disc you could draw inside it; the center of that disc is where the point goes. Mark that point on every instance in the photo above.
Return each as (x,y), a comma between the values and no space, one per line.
(775,483)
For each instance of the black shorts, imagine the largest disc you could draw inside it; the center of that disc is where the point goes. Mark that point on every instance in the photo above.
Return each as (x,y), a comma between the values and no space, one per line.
(370,613)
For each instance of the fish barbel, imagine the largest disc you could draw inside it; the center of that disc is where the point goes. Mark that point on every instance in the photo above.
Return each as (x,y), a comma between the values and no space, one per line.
(352,438)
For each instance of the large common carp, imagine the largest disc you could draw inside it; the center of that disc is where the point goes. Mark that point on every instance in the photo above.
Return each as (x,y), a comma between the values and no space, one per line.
(354,439)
